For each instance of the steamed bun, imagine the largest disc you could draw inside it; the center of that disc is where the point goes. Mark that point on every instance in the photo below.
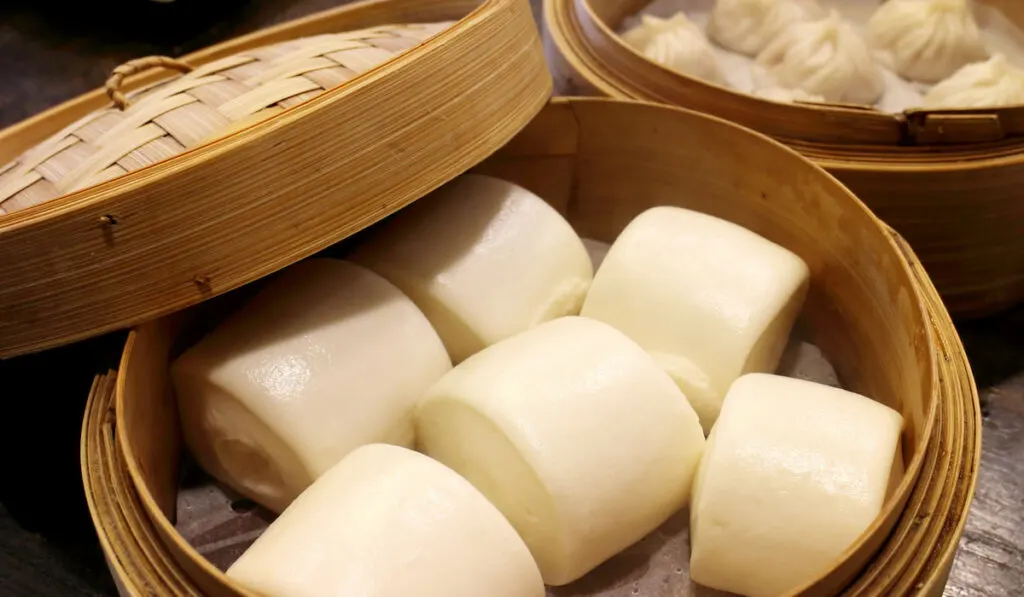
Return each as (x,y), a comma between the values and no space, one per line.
(484,259)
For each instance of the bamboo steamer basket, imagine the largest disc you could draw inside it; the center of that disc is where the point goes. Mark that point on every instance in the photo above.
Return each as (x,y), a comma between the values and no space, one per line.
(947,180)
(871,308)
(120,214)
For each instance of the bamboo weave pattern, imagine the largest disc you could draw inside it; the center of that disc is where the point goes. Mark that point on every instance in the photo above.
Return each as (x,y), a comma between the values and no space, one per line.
(212,100)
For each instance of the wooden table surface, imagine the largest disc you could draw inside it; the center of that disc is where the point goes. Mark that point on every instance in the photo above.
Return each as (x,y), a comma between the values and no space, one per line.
(51,52)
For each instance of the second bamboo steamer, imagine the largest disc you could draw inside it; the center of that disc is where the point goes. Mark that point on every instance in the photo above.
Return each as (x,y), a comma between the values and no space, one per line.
(946,180)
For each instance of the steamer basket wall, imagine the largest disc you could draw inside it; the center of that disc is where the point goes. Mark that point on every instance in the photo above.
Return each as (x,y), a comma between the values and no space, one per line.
(948,181)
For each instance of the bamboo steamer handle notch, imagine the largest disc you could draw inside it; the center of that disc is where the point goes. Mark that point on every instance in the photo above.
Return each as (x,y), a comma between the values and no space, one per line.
(134,67)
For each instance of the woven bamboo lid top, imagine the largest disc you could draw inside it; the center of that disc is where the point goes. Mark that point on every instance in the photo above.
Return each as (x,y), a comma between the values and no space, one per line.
(163,120)
(260,151)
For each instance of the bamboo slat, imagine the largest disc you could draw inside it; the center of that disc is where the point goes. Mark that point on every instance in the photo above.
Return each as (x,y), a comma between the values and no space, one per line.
(287,179)
(947,180)
(139,564)
(871,308)
(159,122)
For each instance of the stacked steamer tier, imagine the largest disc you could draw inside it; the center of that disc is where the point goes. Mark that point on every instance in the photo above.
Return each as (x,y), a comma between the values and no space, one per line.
(159,245)
(945,179)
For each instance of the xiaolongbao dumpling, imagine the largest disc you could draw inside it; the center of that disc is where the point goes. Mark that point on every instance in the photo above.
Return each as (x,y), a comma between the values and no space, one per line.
(747,26)
(676,43)
(826,58)
(927,40)
(638,36)
(992,83)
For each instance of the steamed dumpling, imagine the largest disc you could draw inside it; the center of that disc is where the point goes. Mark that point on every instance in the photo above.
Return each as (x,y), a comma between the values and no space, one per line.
(748,26)
(638,36)
(992,83)
(825,58)
(927,40)
(676,43)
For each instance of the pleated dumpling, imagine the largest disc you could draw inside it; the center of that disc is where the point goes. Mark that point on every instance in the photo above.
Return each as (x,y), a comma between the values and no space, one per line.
(748,26)
(927,40)
(676,43)
(826,58)
(992,83)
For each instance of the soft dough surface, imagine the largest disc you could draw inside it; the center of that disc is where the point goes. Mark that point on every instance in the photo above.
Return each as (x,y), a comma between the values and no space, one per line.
(389,522)
(484,259)
(927,40)
(793,473)
(328,357)
(709,299)
(574,432)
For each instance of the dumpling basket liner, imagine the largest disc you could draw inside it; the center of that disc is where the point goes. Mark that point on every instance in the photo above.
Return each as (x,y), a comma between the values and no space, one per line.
(947,180)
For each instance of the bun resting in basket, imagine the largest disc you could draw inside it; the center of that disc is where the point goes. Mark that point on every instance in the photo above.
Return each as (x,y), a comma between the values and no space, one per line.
(792,474)
(328,357)
(389,522)
(709,300)
(163,120)
(483,259)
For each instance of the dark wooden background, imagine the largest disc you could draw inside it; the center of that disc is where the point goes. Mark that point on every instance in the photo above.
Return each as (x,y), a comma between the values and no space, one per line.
(51,51)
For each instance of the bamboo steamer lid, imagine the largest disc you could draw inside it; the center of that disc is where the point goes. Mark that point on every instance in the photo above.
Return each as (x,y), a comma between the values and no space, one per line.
(871,308)
(268,148)
(947,180)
